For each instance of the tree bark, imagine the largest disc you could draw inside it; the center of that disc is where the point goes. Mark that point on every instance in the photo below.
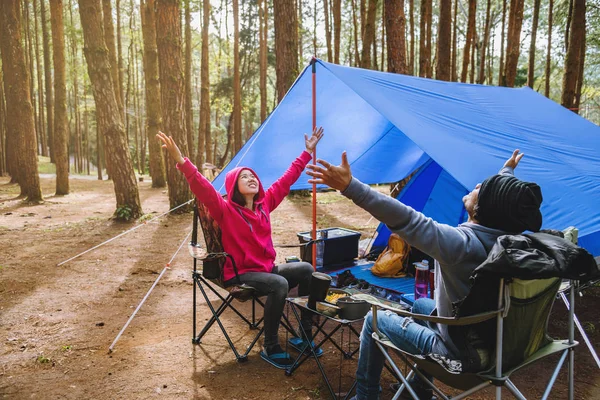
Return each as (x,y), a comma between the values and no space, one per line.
(573,58)
(549,49)
(237,89)
(61,154)
(109,119)
(153,96)
(3,170)
(19,111)
(189,116)
(204,131)
(411,53)
(172,92)
(502,36)
(327,31)
(425,39)
(119,48)
(355,30)
(369,36)
(534,26)
(513,43)
(286,45)
(262,49)
(395,26)
(485,43)
(40,85)
(469,40)
(109,32)
(454,75)
(444,38)
(337,29)
(47,80)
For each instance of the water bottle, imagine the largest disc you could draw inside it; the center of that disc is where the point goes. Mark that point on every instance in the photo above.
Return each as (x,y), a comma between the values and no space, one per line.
(321,236)
(421,279)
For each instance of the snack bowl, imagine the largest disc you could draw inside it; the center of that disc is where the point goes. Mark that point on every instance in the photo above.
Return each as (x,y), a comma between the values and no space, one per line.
(333,295)
(352,309)
(327,309)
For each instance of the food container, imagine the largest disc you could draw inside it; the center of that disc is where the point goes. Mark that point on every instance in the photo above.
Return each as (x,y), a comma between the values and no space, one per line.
(352,309)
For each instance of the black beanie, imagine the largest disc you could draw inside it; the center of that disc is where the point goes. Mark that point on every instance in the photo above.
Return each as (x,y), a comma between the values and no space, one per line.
(509,204)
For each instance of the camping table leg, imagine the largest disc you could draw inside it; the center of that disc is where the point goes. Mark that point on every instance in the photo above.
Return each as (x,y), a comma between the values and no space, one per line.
(581,330)
(313,348)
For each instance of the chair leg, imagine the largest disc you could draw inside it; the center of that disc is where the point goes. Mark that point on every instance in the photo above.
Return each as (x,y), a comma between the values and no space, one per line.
(582,331)
(513,389)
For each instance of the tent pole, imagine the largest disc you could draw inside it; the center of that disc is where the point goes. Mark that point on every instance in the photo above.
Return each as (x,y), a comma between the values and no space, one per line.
(314,161)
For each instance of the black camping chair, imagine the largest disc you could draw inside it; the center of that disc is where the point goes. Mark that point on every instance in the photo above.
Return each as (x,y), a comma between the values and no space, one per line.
(211,277)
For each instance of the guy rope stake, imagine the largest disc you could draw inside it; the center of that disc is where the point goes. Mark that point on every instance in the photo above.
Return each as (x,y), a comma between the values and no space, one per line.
(168,266)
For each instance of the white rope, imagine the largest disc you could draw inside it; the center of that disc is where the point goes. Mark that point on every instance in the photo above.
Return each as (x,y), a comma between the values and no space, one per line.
(123,233)
(110,349)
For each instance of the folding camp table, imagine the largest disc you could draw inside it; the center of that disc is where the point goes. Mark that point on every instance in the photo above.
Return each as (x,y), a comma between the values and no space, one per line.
(298,303)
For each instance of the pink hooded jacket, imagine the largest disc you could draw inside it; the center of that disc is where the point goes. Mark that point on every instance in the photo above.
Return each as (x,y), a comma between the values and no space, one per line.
(246,234)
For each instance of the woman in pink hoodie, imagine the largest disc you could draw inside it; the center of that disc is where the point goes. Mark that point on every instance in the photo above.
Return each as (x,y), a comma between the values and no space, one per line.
(245,224)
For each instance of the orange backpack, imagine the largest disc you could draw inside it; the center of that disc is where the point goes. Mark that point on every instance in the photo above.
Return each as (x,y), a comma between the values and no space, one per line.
(391,262)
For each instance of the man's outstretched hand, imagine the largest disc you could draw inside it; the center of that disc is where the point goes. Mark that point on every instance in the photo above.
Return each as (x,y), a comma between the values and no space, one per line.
(337,177)
(513,161)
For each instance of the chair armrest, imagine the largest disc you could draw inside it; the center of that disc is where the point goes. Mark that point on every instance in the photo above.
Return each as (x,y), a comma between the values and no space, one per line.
(199,253)
(450,321)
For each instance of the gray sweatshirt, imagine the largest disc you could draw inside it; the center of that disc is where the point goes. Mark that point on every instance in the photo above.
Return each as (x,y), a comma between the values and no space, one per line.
(457,250)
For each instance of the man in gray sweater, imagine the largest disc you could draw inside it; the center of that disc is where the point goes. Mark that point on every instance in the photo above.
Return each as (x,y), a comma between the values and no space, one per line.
(501,205)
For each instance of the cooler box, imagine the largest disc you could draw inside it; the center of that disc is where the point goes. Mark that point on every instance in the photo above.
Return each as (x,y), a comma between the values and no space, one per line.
(341,246)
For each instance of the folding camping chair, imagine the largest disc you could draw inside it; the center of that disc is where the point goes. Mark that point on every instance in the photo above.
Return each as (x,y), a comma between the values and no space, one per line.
(211,277)
(520,326)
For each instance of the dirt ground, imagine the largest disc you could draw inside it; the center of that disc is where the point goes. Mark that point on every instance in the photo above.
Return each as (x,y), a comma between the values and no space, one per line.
(57,323)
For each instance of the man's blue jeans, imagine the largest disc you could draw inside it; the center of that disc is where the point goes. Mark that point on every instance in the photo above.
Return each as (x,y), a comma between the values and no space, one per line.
(408,334)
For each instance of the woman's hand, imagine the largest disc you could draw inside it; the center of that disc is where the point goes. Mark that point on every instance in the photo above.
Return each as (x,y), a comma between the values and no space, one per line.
(337,177)
(311,142)
(171,146)
(513,161)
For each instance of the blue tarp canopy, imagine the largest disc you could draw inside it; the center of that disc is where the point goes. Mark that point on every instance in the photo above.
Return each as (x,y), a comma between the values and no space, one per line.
(456,134)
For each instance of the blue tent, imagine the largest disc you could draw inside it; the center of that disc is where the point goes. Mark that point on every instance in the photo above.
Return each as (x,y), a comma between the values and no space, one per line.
(456,134)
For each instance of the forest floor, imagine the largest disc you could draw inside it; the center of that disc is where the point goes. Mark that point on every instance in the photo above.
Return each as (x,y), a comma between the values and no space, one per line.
(57,323)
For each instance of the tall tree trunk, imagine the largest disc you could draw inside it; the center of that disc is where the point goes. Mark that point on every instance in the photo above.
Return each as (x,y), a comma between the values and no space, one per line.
(300,29)
(204,132)
(484,43)
(327,31)
(549,49)
(534,26)
(502,36)
(337,29)
(108,113)
(19,111)
(425,39)
(395,26)
(47,80)
(40,85)
(513,43)
(29,61)
(172,92)
(61,154)
(355,30)
(74,78)
(109,32)
(454,74)
(262,49)
(153,96)
(286,45)
(573,59)
(369,36)
(469,40)
(120,48)
(411,55)
(189,116)
(3,169)
(568,24)
(444,41)
(237,89)
(580,76)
